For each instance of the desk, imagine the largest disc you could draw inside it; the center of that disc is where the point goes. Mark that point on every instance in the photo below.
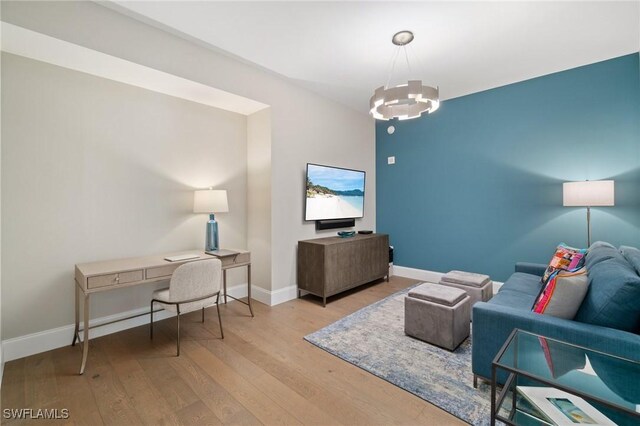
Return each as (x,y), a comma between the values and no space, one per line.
(96,277)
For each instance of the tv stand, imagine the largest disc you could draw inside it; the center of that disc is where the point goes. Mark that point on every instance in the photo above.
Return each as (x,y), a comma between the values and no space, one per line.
(328,266)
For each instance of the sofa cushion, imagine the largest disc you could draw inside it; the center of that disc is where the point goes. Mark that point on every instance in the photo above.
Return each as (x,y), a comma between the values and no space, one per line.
(519,291)
(600,251)
(563,294)
(632,255)
(520,282)
(513,299)
(613,295)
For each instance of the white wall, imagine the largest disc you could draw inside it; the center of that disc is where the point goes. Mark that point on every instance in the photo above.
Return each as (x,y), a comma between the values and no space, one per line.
(93,169)
(305,127)
(259,196)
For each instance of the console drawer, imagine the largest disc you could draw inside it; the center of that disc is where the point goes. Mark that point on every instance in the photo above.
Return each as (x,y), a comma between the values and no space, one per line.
(114,279)
(238,259)
(162,271)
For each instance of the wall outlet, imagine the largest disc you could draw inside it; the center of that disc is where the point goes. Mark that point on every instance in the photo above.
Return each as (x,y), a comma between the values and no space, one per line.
(391,160)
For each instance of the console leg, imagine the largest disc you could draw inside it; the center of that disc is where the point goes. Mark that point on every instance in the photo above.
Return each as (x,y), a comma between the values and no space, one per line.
(248,289)
(85,340)
(77,328)
(224,284)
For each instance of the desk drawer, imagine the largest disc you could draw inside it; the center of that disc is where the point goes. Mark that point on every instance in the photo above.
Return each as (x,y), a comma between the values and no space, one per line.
(240,258)
(162,271)
(114,279)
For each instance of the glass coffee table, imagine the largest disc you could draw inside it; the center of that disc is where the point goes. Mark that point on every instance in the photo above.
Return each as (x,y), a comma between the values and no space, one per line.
(547,381)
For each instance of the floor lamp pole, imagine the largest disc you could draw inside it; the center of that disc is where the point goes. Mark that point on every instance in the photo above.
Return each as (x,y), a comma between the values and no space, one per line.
(588,226)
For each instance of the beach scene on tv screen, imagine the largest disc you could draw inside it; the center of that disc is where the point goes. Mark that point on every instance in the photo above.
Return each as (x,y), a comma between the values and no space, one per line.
(334,193)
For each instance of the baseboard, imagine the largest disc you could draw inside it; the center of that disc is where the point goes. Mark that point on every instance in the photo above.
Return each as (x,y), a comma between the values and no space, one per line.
(284,295)
(417,274)
(30,344)
(428,276)
(275,297)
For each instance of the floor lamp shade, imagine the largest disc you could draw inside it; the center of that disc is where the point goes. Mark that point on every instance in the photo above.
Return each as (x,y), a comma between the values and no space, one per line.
(211,201)
(590,193)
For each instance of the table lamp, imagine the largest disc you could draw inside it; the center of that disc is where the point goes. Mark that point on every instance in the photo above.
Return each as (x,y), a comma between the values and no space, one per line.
(588,194)
(211,201)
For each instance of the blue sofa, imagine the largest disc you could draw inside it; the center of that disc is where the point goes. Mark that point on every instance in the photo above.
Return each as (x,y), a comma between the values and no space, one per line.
(608,319)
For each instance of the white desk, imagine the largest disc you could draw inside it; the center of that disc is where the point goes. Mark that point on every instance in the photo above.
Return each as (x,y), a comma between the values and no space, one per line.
(111,275)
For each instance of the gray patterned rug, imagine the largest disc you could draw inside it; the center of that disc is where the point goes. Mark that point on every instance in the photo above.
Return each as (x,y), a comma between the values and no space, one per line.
(373,339)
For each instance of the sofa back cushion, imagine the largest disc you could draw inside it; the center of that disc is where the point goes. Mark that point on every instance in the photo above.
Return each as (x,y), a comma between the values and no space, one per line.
(600,251)
(632,255)
(614,291)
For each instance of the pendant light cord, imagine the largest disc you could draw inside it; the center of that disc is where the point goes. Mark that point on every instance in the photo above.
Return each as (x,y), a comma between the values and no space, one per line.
(392,67)
(406,56)
(394,59)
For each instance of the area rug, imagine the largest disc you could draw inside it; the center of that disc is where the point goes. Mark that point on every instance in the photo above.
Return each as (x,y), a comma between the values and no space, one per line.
(373,339)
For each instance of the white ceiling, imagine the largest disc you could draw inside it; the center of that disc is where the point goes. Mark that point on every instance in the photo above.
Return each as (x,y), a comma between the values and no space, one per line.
(342,50)
(30,44)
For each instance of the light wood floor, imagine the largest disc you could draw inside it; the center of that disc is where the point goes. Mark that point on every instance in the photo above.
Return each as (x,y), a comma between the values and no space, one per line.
(263,372)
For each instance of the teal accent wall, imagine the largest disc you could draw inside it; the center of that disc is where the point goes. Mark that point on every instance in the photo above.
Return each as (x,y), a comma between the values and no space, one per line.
(477,185)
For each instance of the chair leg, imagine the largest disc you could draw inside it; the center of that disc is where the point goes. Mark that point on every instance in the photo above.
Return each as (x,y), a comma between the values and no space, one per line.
(178,321)
(219,318)
(151,323)
(203,315)
(475,381)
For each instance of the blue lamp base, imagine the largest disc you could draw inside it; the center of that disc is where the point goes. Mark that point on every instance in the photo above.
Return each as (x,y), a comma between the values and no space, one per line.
(212,234)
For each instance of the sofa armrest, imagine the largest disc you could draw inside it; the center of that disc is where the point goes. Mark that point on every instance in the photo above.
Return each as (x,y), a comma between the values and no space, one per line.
(492,324)
(531,268)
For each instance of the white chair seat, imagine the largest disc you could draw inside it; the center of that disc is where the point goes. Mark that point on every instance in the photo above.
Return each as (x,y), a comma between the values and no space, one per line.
(163,295)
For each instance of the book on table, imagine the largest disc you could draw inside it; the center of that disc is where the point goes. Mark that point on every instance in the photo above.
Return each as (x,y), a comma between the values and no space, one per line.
(562,408)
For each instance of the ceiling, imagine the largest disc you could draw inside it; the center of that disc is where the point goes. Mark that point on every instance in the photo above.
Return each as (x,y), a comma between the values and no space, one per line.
(343,50)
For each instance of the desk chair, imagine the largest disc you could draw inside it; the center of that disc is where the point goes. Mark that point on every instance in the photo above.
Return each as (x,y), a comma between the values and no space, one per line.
(193,286)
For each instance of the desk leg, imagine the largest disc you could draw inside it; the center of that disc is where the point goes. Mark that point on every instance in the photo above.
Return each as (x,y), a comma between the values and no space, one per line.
(224,284)
(249,288)
(85,342)
(77,308)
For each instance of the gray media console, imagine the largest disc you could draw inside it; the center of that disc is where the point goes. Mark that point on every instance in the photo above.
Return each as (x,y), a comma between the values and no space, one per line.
(328,266)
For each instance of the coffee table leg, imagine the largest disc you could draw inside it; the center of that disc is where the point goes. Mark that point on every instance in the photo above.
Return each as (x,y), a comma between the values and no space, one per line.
(493,395)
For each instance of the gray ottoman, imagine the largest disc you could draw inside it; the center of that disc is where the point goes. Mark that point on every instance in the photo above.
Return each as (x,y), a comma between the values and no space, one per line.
(479,287)
(437,314)
(477,294)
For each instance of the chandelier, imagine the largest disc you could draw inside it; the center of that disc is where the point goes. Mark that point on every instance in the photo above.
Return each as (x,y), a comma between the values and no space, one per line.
(404,101)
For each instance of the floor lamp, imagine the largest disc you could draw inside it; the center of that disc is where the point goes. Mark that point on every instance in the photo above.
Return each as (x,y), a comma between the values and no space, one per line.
(589,193)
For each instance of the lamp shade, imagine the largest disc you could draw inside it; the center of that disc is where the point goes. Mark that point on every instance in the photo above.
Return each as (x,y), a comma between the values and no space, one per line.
(210,201)
(588,193)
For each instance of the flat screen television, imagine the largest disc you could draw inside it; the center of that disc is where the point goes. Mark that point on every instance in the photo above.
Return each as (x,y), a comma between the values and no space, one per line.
(333,193)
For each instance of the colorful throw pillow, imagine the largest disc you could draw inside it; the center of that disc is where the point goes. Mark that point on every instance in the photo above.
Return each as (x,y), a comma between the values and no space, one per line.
(566,259)
(563,294)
